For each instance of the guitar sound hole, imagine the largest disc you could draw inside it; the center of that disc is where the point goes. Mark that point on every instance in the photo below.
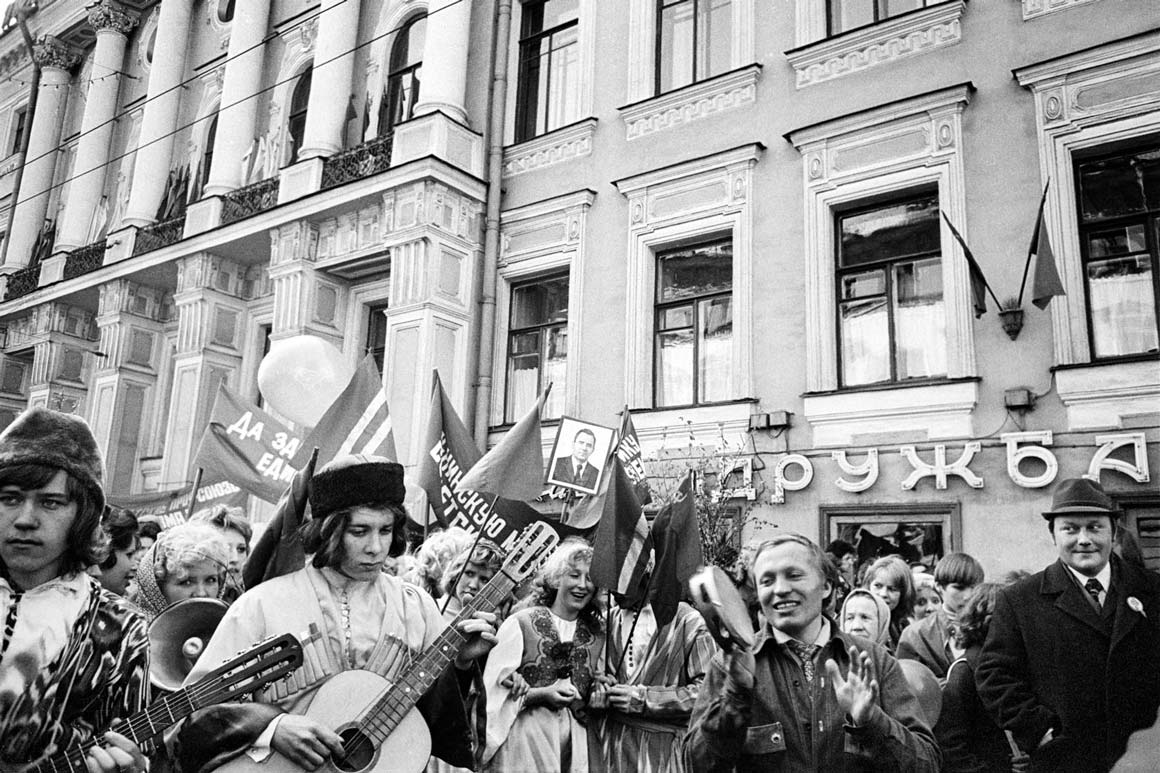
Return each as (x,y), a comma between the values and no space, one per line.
(360,751)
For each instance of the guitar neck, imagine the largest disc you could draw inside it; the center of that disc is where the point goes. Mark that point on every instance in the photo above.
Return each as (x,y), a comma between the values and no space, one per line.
(381,719)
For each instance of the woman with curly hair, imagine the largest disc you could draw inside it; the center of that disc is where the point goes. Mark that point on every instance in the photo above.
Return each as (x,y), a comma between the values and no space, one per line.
(187,561)
(890,579)
(971,741)
(542,670)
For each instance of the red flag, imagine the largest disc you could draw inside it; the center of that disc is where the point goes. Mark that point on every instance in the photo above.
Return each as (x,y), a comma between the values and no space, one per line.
(448,450)
(514,469)
(248,447)
(586,513)
(1046,284)
(979,286)
(279,549)
(358,422)
(622,545)
(677,539)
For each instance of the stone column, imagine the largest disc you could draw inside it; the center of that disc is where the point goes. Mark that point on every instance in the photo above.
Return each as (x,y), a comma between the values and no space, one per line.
(209,328)
(113,25)
(55,59)
(155,145)
(237,117)
(62,341)
(444,71)
(332,80)
(306,301)
(122,386)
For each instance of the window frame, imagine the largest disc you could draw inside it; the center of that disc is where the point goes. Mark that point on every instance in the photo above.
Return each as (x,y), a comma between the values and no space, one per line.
(525,40)
(513,331)
(1151,221)
(880,15)
(852,208)
(387,121)
(376,317)
(694,301)
(661,5)
(306,75)
(19,119)
(948,515)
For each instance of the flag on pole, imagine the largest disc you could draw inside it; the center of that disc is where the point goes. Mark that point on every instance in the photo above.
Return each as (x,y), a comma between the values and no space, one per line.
(279,549)
(248,447)
(629,453)
(448,450)
(1046,284)
(358,422)
(979,286)
(514,468)
(622,545)
(677,540)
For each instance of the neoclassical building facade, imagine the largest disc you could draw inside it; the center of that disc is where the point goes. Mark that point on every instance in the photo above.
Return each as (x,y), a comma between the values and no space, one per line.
(732,218)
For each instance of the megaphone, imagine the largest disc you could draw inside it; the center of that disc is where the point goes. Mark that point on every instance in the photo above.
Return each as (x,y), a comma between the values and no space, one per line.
(177,637)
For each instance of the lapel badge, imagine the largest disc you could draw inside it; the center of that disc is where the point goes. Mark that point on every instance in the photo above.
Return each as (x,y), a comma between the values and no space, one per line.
(1136,606)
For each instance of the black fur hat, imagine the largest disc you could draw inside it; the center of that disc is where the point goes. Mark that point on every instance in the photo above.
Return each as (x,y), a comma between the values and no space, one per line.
(355,479)
(53,439)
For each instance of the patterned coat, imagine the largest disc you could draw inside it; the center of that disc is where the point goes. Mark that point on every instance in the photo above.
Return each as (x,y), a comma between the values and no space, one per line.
(106,661)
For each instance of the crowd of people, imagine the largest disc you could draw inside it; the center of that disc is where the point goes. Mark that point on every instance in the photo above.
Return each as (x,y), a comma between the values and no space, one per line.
(886,666)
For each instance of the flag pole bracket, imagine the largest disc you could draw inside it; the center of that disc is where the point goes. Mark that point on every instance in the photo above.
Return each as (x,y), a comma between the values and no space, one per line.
(1012,321)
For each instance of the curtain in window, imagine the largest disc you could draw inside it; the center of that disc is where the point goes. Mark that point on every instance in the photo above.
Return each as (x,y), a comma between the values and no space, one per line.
(1123,308)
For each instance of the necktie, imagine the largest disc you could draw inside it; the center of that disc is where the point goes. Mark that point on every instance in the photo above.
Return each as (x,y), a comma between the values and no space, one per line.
(1095,588)
(805,653)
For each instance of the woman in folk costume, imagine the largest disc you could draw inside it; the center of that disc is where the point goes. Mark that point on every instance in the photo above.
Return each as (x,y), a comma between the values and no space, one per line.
(188,561)
(348,614)
(542,670)
(658,667)
(73,657)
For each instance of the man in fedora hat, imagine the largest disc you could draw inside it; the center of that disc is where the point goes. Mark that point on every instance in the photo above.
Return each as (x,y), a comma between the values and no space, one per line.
(1071,664)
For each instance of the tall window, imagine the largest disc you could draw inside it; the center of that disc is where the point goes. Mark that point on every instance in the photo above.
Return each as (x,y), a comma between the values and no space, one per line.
(19,118)
(693,352)
(406,63)
(890,297)
(694,41)
(299,100)
(206,159)
(846,15)
(377,334)
(1119,224)
(548,91)
(537,346)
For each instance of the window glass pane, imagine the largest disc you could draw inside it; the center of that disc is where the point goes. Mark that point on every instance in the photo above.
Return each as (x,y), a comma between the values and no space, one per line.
(1150,173)
(714,38)
(896,7)
(556,370)
(1111,187)
(715,352)
(564,79)
(1117,241)
(680,316)
(695,271)
(674,380)
(557,12)
(523,378)
(863,285)
(898,230)
(848,14)
(919,322)
(540,303)
(676,45)
(407,50)
(865,337)
(1123,306)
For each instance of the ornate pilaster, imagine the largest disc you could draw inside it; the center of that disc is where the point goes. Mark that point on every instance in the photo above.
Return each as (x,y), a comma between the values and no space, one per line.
(108,15)
(210,319)
(62,339)
(306,301)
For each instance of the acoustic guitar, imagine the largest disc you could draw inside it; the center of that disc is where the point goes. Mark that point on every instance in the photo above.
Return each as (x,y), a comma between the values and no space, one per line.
(249,671)
(380,727)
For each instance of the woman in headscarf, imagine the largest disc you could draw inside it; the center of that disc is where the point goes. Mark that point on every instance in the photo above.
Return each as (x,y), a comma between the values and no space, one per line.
(187,561)
(865,614)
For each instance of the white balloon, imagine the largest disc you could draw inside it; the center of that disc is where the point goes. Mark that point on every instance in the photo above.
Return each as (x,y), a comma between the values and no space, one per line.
(301,376)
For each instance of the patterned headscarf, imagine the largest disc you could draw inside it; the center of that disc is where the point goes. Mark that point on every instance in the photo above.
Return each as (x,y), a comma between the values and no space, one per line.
(180,546)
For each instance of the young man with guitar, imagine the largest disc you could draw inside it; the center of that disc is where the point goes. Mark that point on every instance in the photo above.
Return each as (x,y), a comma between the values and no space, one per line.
(359,618)
(73,656)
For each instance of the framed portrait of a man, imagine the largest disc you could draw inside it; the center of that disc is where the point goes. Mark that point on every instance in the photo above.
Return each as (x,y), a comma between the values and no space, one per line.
(579,455)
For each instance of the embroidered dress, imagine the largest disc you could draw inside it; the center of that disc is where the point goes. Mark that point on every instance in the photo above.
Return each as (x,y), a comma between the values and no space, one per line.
(669,668)
(89,668)
(544,649)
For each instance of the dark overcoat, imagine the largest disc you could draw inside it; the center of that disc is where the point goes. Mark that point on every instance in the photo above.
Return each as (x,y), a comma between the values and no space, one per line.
(1051,661)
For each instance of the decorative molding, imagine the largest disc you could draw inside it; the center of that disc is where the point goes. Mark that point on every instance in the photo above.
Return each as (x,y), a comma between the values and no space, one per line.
(937,410)
(903,145)
(555,147)
(889,41)
(1104,396)
(699,100)
(1083,101)
(51,52)
(1033,9)
(107,15)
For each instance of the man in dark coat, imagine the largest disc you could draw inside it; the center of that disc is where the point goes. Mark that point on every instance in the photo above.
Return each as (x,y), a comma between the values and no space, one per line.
(1071,664)
(575,469)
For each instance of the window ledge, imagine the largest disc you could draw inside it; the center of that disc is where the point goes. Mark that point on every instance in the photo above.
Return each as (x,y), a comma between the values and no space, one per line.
(555,147)
(941,410)
(696,425)
(887,41)
(733,89)
(1103,395)
(1035,8)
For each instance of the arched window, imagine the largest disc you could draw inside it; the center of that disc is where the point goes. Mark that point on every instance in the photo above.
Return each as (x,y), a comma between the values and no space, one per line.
(225,10)
(296,126)
(402,90)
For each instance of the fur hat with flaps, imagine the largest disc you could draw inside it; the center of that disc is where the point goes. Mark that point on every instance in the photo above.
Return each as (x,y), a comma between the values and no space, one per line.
(53,439)
(355,479)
